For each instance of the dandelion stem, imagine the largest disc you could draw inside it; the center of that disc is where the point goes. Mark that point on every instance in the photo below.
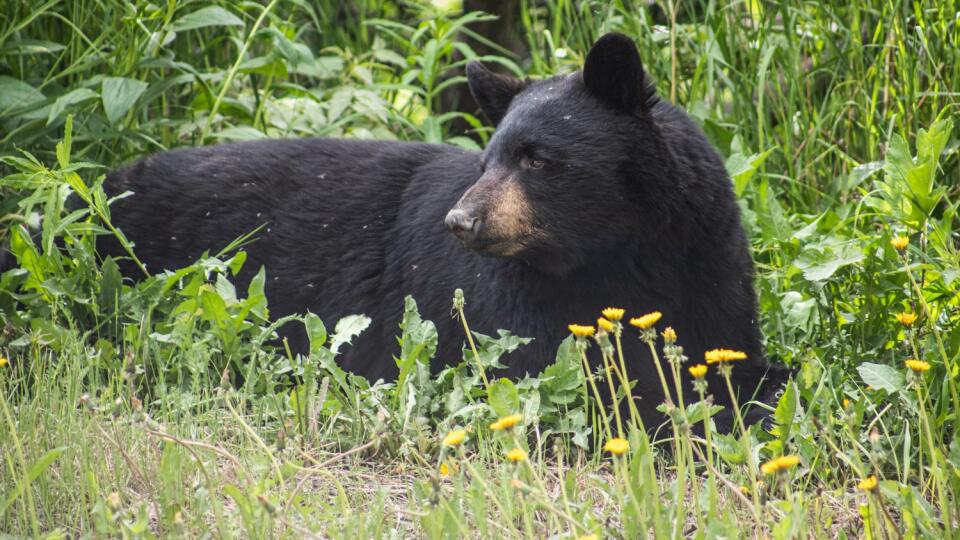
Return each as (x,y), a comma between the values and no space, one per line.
(607,360)
(473,346)
(711,479)
(725,370)
(596,392)
(625,381)
(680,454)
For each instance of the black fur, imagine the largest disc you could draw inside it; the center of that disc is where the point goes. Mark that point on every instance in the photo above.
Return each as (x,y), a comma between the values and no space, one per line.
(629,204)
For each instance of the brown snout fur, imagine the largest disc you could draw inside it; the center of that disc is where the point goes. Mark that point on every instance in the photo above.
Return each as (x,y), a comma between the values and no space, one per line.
(503,207)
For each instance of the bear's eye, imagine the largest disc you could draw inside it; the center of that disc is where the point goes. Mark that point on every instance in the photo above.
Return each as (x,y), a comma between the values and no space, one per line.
(531,163)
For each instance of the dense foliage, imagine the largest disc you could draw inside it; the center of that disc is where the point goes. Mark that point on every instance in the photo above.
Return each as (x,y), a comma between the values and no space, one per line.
(162,406)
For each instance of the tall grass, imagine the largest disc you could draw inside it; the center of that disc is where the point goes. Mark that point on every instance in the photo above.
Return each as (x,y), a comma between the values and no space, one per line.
(162,408)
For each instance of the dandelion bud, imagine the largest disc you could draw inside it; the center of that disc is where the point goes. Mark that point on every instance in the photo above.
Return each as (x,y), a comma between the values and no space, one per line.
(669,335)
(458,299)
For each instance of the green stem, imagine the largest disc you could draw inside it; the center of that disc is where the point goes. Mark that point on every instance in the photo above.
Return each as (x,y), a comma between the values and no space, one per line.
(751,466)
(607,360)
(473,347)
(233,70)
(596,392)
(625,381)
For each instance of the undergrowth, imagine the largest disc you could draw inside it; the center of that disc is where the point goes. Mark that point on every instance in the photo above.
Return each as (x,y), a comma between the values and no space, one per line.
(164,405)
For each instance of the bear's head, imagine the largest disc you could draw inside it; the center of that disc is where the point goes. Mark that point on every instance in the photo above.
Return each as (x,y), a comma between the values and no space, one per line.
(575,168)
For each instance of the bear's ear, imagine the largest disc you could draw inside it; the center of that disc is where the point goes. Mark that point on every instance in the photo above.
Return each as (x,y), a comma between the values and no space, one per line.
(493,92)
(614,74)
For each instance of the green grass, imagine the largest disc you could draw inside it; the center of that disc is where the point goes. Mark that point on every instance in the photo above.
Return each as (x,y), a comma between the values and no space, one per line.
(121,410)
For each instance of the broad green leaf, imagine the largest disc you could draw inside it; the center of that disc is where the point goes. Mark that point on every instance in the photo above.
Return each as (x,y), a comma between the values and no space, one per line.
(742,168)
(110,286)
(785,412)
(931,142)
(208,16)
(316,332)
(118,96)
(696,412)
(882,377)
(15,94)
(67,100)
(214,308)
(225,290)
(241,133)
(503,397)
(824,270)
(898,160)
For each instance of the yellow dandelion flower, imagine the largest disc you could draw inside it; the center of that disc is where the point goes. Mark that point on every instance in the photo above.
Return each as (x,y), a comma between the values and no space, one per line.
(900,243)
(846,403)
(4,361)
(454,438)
(444,469)
(779,464)
(918,366)
(646,321)
(698,371)
(669,335)
(605,324)
(506,422)
(581,331)
(613,313)
(516,455)
(617,446)
(587,537)
(717,356)
(868,484)
(906,319)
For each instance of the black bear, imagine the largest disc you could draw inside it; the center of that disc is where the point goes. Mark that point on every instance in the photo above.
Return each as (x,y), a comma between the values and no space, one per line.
(592,192)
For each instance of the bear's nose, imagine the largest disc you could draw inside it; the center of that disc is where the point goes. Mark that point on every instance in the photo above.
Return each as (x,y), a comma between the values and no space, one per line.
(462,224)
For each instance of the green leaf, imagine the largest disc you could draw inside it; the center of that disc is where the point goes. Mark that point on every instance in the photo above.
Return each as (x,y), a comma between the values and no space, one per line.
(241,133)
(118,96)
(214,308)
(255,291)
(898,160)
(110,287)
(882,377)
(824,270)
(741,168)
(419,338)
(347,328)
(785,412)
(208,16)
(931,142)
(64,147)
(225,290)
(696,412)
(316,332)
(15,94)
(491,349)
(68,100)
(503,397)
(33,473)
